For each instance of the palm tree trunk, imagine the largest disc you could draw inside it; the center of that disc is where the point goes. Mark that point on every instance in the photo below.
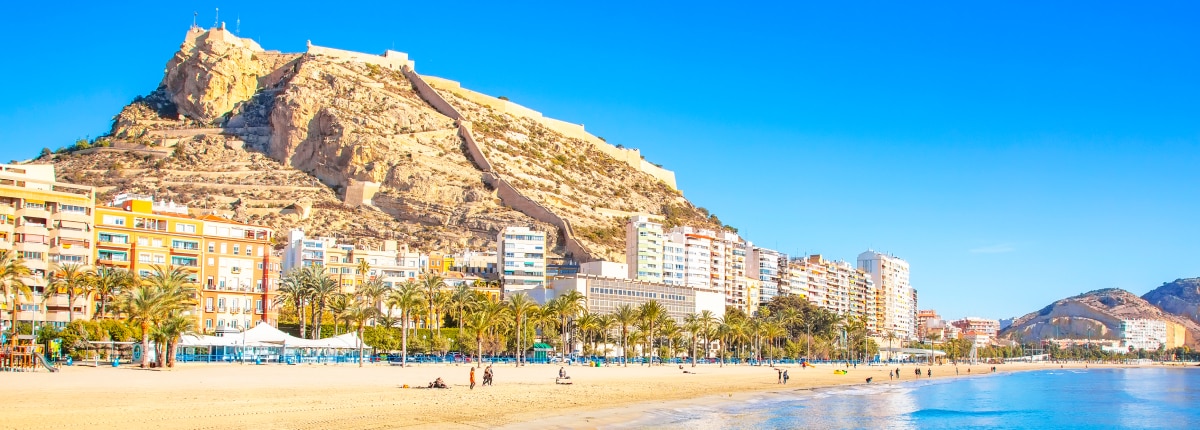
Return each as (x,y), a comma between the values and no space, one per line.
(404,336)
(360,345)
(145,343)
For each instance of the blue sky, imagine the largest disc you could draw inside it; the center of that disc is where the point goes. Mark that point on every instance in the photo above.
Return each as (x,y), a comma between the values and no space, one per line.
(1014,154)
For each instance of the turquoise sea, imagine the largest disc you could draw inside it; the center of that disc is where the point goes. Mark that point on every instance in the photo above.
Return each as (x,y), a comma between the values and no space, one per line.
(1050,399)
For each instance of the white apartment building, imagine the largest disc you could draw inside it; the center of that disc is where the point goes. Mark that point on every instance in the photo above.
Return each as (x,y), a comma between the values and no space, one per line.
(1144,333)
(764,265)
(982,326)
(521,257)
(895,299)
(644,249)
(674,262)
(697,256)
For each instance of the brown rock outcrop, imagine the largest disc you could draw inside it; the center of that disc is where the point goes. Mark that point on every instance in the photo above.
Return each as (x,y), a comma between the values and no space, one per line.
(212,73)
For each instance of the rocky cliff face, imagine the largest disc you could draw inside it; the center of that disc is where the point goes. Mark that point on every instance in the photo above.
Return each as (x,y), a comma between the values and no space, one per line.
(239,130)
(1101,311)
(213,72)
(1181,297)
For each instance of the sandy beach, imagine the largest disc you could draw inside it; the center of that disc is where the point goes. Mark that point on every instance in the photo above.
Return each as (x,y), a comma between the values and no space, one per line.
(345,396)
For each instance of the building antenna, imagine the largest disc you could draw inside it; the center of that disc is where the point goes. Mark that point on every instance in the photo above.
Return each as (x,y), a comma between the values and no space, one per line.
(237,28)
(217,18)
(194,15)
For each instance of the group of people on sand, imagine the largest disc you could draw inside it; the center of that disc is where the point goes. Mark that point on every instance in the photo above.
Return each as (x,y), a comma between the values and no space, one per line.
(487,379)
(783,375)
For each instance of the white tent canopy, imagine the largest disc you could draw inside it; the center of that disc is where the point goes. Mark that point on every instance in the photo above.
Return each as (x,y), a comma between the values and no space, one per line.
(266,335)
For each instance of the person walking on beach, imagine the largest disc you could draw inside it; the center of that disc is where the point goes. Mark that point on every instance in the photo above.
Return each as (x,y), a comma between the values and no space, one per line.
(918,373)
(487,375)
(780,372)
(785,377)
(929,373)
(889,374)
(472,377)
(897,373)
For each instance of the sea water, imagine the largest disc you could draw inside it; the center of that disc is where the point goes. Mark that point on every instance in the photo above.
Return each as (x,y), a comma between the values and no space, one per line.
(1052,399)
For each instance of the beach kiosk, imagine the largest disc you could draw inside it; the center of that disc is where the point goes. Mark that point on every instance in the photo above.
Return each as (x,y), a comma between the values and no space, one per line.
(540,351)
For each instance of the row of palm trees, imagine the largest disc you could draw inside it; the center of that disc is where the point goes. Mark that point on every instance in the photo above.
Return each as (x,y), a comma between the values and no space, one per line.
(158,304)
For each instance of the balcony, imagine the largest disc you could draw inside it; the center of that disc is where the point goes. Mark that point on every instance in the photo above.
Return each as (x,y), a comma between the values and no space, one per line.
(113,261)
(32,229)
(185,251)
(33,212)
(74,216)
(73,233)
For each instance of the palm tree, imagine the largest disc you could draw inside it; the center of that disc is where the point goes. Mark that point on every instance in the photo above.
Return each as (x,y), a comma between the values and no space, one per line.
(75,280)
(431,283)
(374,291)
(521,307)
(13,273)
(707,322)
(569,305)
(605,324)
(691,324)
(723,332)
(292,291)
(321,288)
(485,315)
(408,298)
(669,330)
(651,311)
(338,306)
(626,316)
(109,282)
(587,325)
(462,297)
(168,332)
(363,268)
(161,296)
(358,312)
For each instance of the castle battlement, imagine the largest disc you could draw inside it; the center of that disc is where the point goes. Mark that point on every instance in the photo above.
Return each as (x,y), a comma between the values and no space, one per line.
(632,157)
(391,59)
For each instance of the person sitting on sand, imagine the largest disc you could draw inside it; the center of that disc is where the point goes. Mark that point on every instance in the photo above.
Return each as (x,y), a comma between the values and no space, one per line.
(562,373)
(869,378)
(438,383)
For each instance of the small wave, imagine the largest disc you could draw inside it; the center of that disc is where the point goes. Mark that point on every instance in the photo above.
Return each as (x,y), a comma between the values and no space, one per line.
(930,413)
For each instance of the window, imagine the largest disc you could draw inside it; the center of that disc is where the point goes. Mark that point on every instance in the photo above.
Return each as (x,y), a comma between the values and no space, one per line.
(32,205)
(185,228)
(112,255)
(141,241)
(248,250)
(185,244)
(72,209)
(182,261)
(212,247)
(210,261)
(157,243)
(208,323)
(114,238)
(159,259)
(258,305)
(143,257)
(224,250)
(208,304)
(237,249)
(76,259)
(210,285)
(221,304)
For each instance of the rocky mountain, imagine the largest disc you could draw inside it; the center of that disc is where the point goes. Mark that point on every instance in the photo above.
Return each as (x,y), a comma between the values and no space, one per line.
(1099,311)
(1181,297)
(360,146)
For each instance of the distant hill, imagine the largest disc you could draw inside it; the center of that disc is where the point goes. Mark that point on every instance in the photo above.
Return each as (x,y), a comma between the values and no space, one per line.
(1181,297)
(1101,311)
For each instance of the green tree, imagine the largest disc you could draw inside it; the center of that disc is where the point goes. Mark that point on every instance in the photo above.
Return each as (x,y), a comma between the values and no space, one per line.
(521,307)
(407,297)
(13,273)
(625,316)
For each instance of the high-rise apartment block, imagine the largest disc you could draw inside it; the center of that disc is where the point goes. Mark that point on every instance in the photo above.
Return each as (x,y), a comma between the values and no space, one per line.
(521,258)
(644,249)
(47,224)
(895,299)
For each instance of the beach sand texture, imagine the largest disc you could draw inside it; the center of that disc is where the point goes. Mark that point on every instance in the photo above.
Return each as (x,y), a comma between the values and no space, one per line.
(230,396)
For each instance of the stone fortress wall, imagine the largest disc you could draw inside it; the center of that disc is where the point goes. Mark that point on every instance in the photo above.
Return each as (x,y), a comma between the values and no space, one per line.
(391,59)
(632,157)
(509,195)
